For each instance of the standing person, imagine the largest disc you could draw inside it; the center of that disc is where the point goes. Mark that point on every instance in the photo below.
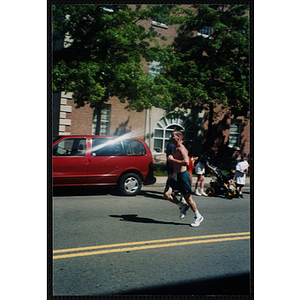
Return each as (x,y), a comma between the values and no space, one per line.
(241,171)
(191,166)
(181,179)
(200,171)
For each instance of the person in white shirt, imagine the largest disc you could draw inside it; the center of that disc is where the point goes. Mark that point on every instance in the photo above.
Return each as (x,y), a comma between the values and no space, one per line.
(200,171)
(241,171)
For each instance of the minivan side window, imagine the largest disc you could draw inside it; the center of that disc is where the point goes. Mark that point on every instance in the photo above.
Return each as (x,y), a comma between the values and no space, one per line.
(70,147)
(134,148)
(106,147)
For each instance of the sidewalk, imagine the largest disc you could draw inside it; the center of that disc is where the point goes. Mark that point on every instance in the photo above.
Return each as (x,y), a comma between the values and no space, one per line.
(161,181)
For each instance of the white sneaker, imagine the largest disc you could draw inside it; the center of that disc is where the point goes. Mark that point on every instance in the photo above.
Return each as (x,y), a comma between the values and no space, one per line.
(183,211)
(197,221)
(203,194)
(197,193)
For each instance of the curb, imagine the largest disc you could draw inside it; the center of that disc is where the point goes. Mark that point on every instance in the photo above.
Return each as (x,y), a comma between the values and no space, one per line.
(161,182)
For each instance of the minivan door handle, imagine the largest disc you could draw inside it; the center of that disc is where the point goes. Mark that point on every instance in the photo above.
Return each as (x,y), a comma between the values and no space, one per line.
(87,162)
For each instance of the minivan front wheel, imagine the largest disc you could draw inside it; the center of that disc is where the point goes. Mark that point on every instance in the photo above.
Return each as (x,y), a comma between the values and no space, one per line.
(130,184)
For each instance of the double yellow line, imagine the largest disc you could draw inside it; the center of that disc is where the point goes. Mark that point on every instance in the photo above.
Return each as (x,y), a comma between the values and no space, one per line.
(145,245)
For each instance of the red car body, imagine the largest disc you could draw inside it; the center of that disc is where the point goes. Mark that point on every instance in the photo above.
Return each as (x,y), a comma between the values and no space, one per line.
(83,160)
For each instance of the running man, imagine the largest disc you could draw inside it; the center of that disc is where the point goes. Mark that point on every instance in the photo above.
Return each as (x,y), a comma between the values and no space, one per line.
(181,179)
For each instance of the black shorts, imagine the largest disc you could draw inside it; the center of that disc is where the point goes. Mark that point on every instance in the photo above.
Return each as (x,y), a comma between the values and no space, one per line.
(183,183)
(239,185)
(169,169)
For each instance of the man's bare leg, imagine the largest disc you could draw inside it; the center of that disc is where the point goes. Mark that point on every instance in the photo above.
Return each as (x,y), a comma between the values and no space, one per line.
(189,200)
(168,195)
(198,218)
(183,208)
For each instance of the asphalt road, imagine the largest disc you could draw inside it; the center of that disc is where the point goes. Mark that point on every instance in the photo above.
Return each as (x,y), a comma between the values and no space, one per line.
(105,244)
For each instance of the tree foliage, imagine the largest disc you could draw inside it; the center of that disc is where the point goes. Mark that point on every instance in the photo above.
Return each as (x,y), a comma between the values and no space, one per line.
(206,70)
(103,54)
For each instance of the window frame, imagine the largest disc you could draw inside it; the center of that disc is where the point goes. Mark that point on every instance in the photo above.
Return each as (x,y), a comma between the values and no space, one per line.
(167,124)
(235,134)
(103,123)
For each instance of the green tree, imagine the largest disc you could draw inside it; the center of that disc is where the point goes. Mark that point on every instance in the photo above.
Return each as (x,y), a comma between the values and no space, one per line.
(105,46)
(102,54)
(212,67)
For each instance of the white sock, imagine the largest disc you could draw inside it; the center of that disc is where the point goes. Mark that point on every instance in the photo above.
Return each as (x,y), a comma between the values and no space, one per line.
(197,214)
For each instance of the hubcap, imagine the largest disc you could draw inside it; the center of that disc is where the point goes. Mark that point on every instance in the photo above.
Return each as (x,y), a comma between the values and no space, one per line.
(131,184)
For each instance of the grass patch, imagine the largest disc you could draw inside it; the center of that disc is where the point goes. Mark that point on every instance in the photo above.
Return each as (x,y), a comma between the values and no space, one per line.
(159,171)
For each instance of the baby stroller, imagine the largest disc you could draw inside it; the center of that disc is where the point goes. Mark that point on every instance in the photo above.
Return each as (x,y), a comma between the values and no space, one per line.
(222,185)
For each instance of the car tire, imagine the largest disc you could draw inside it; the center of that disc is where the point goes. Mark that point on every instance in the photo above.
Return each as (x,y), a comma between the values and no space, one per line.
(130,184)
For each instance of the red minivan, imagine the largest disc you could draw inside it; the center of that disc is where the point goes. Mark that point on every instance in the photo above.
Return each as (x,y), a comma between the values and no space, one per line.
(82,160)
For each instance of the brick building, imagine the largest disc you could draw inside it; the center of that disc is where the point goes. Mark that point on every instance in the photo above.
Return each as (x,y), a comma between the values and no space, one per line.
(226,138)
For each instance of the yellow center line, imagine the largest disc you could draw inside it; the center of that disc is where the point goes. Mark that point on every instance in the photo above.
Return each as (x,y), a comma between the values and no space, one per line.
(171,243)
(149,242)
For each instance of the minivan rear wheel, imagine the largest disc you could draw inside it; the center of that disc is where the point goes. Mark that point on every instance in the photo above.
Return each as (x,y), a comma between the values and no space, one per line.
(130,184)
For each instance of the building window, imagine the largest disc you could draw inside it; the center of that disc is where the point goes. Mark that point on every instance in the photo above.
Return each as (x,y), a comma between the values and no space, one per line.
(164,128)
(155,68)
(235,134)
(161,21)
(109,8)
(159,24)
(205,32)
(101,125)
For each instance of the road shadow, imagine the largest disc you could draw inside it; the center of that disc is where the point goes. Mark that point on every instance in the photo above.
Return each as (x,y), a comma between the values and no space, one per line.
(82,191)
(228,285)
(100,190)
(218,197)
(153,194)
(135,218)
